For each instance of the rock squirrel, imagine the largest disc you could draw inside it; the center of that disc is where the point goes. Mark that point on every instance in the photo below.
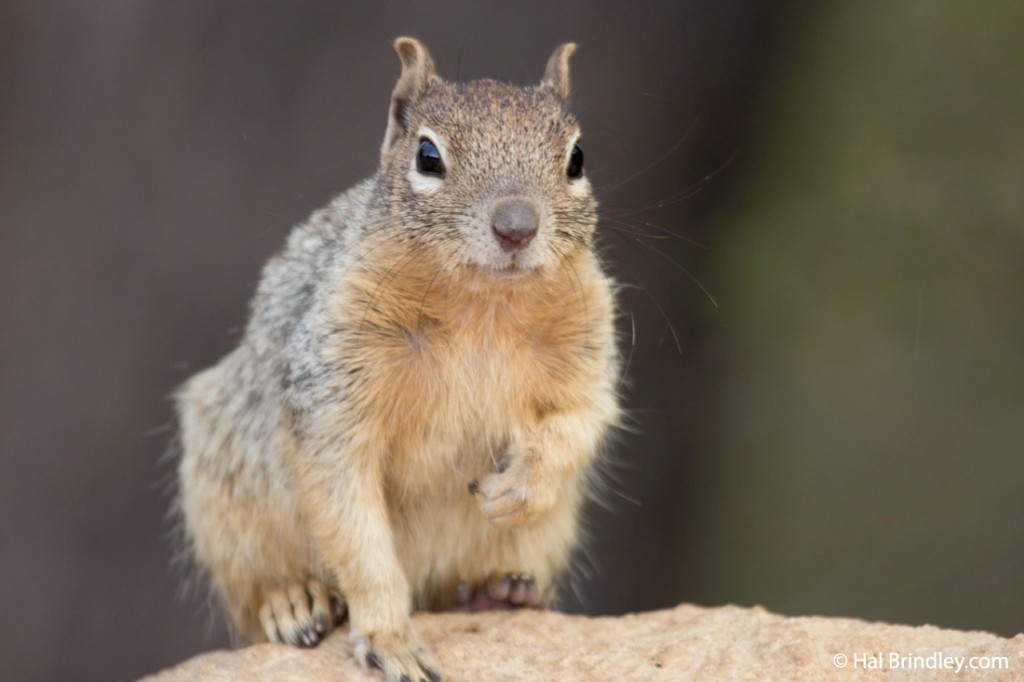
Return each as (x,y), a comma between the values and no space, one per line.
(425,382)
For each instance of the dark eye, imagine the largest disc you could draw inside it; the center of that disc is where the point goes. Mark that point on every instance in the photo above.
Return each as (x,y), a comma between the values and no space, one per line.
(428,159)
(575,168)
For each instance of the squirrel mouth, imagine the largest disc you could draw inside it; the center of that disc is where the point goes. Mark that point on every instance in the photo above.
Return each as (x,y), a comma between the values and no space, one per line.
(509,269)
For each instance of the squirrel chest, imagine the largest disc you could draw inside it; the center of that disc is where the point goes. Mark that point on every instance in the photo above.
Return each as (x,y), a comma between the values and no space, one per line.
(449,367)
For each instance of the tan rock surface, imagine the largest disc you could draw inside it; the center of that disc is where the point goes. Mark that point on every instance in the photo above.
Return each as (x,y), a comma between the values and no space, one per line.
(684,643)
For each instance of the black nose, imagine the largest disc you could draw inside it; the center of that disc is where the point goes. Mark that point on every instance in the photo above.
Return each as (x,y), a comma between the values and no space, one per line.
(515,223)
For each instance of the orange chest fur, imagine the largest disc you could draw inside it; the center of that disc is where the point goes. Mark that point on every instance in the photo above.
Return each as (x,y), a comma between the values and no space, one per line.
(486,370)
(447,367)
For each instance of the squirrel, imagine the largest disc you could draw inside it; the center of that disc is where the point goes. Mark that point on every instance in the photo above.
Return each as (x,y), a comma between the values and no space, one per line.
(412,417)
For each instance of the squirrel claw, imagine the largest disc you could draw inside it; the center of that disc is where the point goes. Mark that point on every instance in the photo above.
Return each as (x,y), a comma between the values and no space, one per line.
(299,615)
(392,655)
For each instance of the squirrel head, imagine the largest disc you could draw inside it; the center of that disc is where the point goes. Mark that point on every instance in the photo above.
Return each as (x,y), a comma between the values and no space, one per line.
(489,174)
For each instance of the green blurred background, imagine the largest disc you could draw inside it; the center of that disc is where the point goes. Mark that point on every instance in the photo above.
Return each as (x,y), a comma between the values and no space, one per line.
(869,420)
(817,211)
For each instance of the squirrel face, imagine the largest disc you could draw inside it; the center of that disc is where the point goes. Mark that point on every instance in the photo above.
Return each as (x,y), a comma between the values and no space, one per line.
(489,174)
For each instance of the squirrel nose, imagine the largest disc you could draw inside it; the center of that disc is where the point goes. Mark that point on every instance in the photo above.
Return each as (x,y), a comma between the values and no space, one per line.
(515,223)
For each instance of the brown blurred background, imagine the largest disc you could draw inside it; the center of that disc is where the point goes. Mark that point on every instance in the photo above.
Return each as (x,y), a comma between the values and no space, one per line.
(842,434)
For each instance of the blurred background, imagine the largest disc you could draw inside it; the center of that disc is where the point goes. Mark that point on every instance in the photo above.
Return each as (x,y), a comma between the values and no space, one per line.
(817,209)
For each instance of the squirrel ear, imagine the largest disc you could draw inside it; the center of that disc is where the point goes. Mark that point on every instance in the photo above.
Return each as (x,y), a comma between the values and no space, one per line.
(556,75)
(417,73)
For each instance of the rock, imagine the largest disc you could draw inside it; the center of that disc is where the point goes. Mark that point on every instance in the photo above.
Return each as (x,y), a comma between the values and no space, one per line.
(687,642)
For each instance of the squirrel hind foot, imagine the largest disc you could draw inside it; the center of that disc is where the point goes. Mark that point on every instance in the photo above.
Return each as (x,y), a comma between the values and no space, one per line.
(502,591)
(301,614)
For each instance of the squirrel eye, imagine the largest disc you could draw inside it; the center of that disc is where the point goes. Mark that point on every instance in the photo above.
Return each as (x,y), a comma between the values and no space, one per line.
(428,159)
(575,168)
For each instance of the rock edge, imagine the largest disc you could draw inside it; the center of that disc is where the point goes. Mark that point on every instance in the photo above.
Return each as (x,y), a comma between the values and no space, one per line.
(687,642)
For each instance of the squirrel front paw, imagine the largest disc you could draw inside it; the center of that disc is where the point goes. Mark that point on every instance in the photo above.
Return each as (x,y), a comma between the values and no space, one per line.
(401,657)
(512,496)
(301,614)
